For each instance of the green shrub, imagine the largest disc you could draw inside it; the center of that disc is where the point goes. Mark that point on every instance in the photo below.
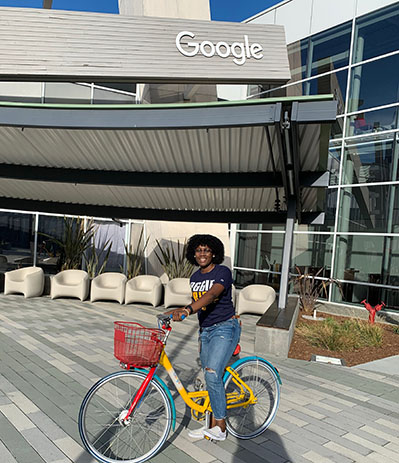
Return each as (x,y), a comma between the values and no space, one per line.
(348,335)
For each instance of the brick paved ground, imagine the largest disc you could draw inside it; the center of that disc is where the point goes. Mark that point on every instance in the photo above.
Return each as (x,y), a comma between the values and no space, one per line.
(51,352)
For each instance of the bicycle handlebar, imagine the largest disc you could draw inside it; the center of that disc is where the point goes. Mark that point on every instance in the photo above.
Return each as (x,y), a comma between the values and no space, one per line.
(166,318)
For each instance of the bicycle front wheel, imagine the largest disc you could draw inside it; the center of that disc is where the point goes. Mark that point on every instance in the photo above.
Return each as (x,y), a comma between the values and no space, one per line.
(247,422)
(104,432)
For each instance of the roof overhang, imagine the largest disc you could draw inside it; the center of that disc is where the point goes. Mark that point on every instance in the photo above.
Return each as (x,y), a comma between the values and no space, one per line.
(222,162)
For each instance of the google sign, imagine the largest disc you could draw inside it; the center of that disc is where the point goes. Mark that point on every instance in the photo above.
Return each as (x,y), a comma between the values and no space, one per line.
(240,50)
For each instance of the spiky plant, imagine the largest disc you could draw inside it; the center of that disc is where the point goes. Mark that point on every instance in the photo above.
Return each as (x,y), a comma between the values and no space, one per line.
(309,289)
(174,263)
(135,256)
(74,242)
(95,255)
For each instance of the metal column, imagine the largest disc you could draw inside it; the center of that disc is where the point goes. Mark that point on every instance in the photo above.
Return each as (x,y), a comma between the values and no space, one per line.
(287,251)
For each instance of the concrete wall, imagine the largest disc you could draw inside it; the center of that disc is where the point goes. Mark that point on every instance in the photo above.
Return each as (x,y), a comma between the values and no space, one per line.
(198,9)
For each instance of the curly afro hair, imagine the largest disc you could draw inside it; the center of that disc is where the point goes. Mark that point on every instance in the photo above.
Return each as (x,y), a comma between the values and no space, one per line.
(205,240)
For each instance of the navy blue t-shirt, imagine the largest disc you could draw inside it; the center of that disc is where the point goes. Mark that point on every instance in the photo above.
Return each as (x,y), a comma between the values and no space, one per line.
(222,308)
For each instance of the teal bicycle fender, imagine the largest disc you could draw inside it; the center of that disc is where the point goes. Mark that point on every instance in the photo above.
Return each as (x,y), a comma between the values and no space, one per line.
(166,389)
(240,361)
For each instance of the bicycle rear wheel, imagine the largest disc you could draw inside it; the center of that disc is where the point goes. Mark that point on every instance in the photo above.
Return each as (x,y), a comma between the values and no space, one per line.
(107,436)
(249,421)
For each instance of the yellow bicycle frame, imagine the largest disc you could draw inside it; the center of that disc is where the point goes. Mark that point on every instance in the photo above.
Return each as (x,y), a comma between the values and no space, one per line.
(242,397)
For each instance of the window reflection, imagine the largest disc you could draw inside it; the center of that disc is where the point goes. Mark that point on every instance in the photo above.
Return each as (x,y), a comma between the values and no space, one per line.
(374,84)
(244,278)
(16,240)
(334,83)
(370,161)
(334,160)
(369,209)
(262,251)
(48,252)
(320,53)
(376,34)
(372,121)
(312,253)
(373,259)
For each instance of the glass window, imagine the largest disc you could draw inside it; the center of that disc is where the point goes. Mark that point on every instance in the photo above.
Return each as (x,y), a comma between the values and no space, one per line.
(370,259)
(297,57)
(369,209)
(261,226)
(244,278)
(125,87)
(262,251)
(374,84)
(63,92)
(48,252)
(372,160)
(329,50)
(16,240)
(376,34)
(372,121)
(320,53)
(111,233)
(337,129)
(334,161)
(328,204)
(334,83)
(312,253)
(373,294)
(103,96)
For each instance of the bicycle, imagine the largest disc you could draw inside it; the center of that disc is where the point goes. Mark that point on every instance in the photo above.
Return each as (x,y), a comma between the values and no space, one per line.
(127,415)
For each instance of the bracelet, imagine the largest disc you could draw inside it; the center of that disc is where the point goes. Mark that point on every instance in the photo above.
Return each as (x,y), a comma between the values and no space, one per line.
(190,308)
(187,311)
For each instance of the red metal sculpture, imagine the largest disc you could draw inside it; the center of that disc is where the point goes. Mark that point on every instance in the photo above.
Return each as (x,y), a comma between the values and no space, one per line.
(372,310)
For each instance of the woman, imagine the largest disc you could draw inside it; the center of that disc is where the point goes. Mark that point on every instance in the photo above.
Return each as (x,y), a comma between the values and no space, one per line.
(219,330)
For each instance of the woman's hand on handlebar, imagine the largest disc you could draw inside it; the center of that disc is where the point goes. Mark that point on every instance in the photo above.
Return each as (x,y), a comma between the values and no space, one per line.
(179,314)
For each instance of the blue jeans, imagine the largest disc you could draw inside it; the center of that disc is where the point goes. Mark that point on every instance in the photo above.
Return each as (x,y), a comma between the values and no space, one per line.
(217,344)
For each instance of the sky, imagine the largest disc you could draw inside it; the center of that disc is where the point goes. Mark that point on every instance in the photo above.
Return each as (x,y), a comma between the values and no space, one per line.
(221,10)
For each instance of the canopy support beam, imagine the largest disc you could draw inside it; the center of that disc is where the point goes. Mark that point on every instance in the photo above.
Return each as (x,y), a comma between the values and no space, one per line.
(287,252)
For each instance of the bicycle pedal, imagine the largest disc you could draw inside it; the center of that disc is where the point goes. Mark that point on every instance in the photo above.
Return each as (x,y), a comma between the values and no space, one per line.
(215,441)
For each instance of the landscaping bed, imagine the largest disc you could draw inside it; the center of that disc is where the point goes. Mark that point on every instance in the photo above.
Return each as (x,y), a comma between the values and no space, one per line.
(302,348)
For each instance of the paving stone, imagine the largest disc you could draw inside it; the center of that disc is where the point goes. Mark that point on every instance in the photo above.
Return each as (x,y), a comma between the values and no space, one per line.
(5,455)
(16,444)
(43,446)
(16,417)
(319,403)
(47,425)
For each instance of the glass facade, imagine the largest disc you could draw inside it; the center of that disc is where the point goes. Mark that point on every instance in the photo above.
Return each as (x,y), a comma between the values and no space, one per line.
(27,239)
(358,244)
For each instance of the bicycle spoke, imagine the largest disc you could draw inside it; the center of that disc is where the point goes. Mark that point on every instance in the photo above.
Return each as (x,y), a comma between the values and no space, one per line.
(250,420)
(135,440)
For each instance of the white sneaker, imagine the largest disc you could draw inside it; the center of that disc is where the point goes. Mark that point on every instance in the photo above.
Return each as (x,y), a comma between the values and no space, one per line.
(215,433)
(197,433)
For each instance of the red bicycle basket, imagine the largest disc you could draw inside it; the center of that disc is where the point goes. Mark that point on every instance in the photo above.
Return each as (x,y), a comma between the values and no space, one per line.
(137,345)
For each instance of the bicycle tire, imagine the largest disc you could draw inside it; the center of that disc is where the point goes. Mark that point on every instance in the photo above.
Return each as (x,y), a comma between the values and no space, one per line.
(100,425)
(250,421)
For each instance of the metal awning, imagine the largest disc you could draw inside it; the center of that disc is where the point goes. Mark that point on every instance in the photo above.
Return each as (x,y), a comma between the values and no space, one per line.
(223,162)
